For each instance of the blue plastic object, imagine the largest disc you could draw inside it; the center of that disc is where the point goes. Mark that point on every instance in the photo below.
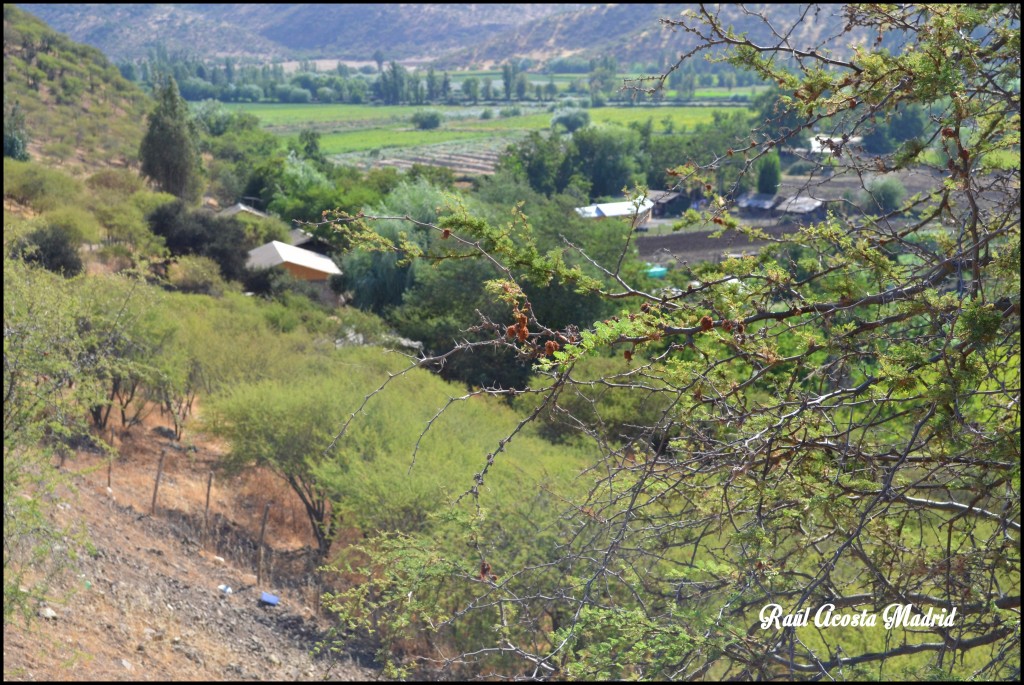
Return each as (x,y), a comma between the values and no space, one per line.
(267,598)
(657,272)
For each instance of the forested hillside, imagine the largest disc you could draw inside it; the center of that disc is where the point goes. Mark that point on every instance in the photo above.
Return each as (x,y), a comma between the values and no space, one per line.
(77,109)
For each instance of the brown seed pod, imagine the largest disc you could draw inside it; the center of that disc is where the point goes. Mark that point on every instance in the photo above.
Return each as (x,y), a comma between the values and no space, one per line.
(948,132)
(550,347)
(628,354)
(727,325)
(510,332)
(446,233)
(707,323)
(523,332)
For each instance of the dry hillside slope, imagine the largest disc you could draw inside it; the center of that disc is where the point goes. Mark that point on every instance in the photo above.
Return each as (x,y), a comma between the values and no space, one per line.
(145,604)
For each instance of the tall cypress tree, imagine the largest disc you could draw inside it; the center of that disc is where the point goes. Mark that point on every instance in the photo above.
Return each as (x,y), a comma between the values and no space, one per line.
(769,173)
(169,150)
(15,138)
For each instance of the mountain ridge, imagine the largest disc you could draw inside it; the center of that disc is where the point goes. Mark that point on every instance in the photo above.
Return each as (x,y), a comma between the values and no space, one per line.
(453,35)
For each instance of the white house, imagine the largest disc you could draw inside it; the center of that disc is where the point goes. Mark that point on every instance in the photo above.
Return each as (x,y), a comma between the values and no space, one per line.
(303,264)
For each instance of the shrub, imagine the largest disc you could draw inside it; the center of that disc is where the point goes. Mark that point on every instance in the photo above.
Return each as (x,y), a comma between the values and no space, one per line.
(120,181)
(77,222)
(884,196)
(200,232)
(426,120)
(194,274)
(572,119)
(40,188)
(54,249)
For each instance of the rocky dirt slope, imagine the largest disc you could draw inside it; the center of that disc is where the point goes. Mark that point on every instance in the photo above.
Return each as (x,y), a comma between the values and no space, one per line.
(145,603)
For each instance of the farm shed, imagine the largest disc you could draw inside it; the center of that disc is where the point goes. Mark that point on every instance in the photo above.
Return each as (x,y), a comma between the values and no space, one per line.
(618,209)
(804,207)
(756,203)
(303,264)
(668,202)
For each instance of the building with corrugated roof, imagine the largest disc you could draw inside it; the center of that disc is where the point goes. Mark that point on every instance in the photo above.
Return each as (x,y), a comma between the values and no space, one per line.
(241,207)
(804,207)
(757,202)
(625,210)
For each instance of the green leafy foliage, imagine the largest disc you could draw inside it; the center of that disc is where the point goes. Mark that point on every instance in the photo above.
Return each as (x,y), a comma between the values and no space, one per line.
(54,248)
(769,173)
(15,135)
(186,231)
(426,120)
(571,120)
(38,187)
(885,196)
(834,420)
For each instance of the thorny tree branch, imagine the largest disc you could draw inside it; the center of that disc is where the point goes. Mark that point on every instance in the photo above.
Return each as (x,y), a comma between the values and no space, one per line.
(830,424)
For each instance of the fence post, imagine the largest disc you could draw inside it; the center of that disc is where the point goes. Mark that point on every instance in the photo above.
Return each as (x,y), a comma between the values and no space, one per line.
(259,558)
(206,512)
(156,485)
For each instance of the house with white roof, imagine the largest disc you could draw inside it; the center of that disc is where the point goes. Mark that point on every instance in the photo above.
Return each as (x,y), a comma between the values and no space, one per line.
(303,264)
(619,209)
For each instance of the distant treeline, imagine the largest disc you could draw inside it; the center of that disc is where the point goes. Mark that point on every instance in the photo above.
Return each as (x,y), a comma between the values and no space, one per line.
(229,80)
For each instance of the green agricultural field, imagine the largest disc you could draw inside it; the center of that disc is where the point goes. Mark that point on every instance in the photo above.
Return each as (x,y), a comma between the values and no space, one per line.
(379,138)
(297,116)
(347,129)
(683,117)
